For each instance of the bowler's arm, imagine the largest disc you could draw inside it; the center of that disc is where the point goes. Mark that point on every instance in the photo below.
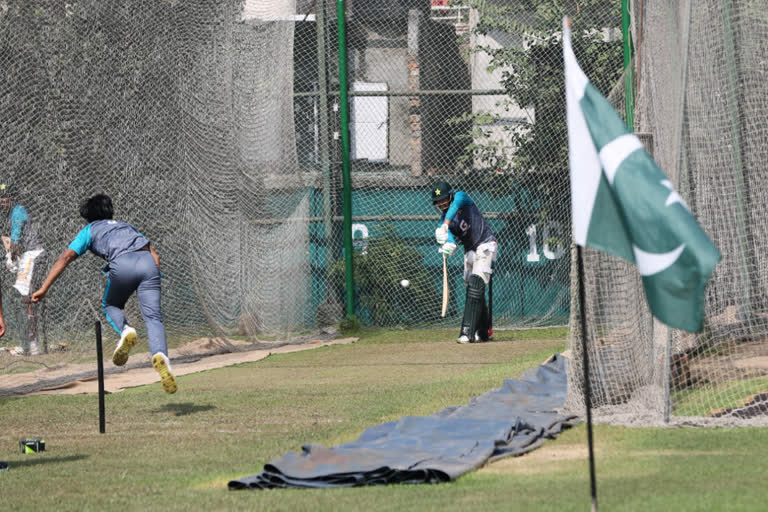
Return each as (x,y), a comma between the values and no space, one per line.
(67,257)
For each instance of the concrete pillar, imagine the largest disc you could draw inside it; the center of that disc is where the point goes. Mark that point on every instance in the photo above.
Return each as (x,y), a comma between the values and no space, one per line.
(414,106)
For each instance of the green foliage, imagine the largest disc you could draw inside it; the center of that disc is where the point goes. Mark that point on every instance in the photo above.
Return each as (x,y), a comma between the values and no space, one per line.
(350,325)
(534,155)
(381,300)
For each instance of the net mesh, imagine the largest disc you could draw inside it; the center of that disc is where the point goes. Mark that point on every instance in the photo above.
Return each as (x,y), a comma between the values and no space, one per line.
(701,105)
(214,126)
(179,112)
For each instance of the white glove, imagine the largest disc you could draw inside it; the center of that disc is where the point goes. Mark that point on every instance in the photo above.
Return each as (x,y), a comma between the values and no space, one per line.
(447,248)
(441,234)
(10,263)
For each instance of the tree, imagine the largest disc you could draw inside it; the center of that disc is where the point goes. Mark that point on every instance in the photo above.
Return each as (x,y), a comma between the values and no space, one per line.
(533,156)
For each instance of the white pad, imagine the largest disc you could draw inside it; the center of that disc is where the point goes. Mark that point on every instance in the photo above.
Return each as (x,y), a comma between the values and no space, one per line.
(480,261)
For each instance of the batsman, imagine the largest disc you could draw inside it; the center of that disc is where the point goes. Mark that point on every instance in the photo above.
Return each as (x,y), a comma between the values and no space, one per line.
(461,219)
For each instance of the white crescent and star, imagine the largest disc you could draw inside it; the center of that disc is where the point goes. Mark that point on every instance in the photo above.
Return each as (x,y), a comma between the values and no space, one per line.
(649,263)
(673,197)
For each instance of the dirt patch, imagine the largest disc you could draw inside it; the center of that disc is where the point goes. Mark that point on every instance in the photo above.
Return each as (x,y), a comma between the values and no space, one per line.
(730,361)
(549,459)
(541,460)
(189,358)
(760,362)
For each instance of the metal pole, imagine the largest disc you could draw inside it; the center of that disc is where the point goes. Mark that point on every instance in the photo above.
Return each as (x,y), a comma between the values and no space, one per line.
(373,218)
(325,162)
(344,128)
(738,168)
(629,75)
(100,365)
(422,92)
(679,170)
(587,384)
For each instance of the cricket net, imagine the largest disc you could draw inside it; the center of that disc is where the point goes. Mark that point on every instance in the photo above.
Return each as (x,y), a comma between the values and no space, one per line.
(701,105)
(215,128)
(179,112)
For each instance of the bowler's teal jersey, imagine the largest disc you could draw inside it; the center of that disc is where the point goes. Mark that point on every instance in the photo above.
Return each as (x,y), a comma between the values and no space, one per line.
(108,239)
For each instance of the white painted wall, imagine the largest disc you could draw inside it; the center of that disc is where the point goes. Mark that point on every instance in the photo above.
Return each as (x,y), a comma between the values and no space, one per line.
(268,9)
(368,123)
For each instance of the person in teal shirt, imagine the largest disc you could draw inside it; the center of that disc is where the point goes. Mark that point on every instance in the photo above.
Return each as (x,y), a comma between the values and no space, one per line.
(24,258)
(133,266)
(461,221)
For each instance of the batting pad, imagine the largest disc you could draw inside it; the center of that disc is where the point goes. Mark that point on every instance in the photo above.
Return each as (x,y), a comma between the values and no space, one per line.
(510,420)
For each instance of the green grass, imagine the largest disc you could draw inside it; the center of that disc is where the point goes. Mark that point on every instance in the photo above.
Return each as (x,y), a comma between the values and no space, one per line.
(697,401)
(178,452)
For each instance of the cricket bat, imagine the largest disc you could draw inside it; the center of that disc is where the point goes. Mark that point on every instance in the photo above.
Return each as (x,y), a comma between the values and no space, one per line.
(445,286)
(7,243)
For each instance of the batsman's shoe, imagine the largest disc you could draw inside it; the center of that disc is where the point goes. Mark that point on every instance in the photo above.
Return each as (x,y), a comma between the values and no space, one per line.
(463,339)
(482,336)
(161,363)
(34,350)
(124,346)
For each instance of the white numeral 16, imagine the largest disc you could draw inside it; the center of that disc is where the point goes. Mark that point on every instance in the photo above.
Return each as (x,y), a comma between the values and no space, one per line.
(533,254)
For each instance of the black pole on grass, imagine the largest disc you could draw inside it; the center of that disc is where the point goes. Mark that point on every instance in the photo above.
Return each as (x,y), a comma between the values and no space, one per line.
(100,364)
(587,385)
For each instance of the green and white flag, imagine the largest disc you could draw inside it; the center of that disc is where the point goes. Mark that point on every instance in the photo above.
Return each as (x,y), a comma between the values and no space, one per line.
(622,203)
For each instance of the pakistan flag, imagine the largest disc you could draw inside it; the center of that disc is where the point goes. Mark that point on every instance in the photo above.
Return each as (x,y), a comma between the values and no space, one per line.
(622,203)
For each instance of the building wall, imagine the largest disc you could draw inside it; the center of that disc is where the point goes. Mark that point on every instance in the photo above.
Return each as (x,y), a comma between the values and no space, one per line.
(513,115)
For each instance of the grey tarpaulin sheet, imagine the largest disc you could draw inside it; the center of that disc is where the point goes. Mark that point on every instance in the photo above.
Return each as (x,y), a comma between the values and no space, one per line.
(509,420)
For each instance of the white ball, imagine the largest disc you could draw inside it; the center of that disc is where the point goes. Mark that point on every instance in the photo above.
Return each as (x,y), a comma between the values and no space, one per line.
(404,283)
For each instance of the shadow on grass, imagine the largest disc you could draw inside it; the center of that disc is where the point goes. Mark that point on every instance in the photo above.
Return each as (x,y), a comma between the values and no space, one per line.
(40,458)
(183,409)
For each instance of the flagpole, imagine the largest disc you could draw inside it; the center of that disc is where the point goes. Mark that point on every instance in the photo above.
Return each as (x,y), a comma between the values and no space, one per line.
(582,298)
(587,385)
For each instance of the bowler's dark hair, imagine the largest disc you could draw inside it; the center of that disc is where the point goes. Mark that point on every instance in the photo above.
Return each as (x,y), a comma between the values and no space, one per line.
(98,207)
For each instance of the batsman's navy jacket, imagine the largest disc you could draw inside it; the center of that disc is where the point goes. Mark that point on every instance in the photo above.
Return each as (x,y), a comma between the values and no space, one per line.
(467,223)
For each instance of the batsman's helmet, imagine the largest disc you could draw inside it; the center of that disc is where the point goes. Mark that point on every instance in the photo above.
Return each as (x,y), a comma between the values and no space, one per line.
(440,191)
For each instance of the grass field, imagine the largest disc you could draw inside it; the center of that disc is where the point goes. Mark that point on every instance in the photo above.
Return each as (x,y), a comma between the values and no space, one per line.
(178,452)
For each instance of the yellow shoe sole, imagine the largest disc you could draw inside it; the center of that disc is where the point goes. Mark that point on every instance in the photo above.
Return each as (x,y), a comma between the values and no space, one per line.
(120,357)
(167,380)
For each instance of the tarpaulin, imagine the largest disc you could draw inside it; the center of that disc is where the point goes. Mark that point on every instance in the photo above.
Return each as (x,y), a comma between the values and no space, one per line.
(509,420)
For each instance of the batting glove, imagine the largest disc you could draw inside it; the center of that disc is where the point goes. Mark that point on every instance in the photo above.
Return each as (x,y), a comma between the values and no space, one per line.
(10,263)
(441,234)
(447,248)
